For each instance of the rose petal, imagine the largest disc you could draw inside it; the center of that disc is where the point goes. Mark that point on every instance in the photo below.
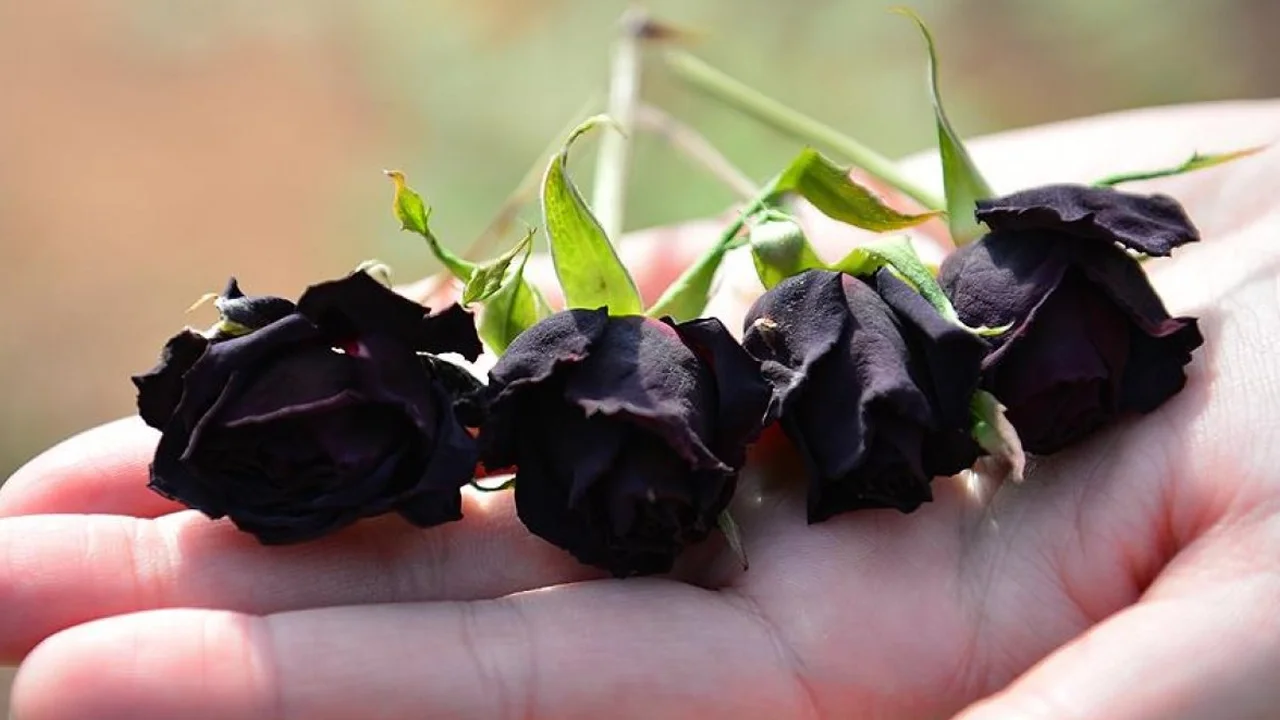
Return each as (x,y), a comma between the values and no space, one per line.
(452,330)
(742,393)
(1124,281)
(1001,279)
(526,368)
(891,476)
(652,498)
(792,327)
(1065,367)
(542,500)
(1152,224)
(299,383)
(951,355)
(160,388)
(217,376)
(390,373)
(359,306)
(437,497)
(1157,365)
(536,354)
(641,370)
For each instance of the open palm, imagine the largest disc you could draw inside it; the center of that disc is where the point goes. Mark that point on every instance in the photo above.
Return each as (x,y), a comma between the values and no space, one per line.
(1134,576)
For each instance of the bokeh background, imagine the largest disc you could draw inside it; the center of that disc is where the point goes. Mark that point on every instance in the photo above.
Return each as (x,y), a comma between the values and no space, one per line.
(148,148)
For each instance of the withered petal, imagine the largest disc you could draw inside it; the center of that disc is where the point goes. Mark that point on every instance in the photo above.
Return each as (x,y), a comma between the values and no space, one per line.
(175,479)
(358,305)
(208,378)
(743,395)
(466,390)
(1156,370)
(1122,279)
(392,375)
(1001,279)
(452,330)
(536,354)
(1151,224)
(849,364)
(952,355)
(640,370)
(160,389)
(1060,378)
(593,445)
(787,337)
(452,464)
(292,384)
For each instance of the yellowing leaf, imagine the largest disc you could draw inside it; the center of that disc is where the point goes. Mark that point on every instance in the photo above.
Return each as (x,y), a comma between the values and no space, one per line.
(413,215)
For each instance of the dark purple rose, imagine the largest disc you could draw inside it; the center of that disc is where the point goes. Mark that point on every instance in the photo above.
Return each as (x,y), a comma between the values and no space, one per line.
(872,385)
(295,421)
(627,433)
(1090,340)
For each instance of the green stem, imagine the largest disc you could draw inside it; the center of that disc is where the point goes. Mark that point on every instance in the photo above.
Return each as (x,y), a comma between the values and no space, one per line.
(613,161)
(695,147)
(802,127)
(701,270)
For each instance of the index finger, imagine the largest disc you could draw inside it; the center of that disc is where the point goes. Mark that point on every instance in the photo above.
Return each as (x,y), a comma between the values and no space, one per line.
(103,470)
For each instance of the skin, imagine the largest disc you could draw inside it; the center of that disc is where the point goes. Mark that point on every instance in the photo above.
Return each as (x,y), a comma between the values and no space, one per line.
(1134,576)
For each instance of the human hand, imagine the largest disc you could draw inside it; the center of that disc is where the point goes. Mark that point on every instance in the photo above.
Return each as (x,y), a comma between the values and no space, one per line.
(1134,576)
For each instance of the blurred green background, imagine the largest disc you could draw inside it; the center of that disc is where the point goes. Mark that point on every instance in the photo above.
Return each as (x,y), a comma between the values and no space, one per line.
(148,148)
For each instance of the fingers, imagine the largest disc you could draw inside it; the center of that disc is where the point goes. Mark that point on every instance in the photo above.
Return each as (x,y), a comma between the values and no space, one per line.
(58,571)
(103,470)
(605,649)
(1203,643)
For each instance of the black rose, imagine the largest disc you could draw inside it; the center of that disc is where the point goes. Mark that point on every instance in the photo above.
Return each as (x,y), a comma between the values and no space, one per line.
(1090,340)
(872,386)
(296,421)
(627,433)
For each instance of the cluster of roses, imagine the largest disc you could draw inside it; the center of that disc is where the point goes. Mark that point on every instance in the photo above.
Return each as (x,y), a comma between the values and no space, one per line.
(627,434)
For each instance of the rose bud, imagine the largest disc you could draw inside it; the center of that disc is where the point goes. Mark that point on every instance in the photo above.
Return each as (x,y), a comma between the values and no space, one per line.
(1090,339)
(627,433)
(871,385)
(297,421)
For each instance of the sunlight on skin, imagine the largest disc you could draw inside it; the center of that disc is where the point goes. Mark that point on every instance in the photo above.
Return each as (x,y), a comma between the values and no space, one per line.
(1133,577)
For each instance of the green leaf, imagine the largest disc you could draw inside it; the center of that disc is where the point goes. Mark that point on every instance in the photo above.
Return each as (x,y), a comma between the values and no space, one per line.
(828,187)
(995,434)
(780,250)
(1191,164)
(900,255)
(590,273)
(413,215)
(513,308)
(960,177)
(487,278)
